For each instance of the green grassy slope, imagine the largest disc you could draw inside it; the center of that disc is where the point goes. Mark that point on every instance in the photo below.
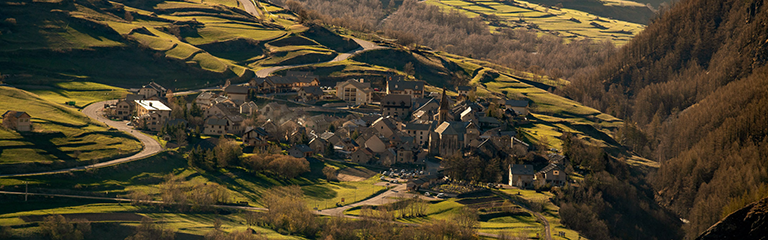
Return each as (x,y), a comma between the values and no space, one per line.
(178,44)
(566,22)
(61,137)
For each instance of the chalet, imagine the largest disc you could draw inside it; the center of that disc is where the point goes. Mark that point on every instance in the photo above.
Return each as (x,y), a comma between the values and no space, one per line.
(398,85)
(385,126)
(310,93)
(396,105)
(152,114)
(519,106)
(521,175)
(376,144)
(361,155)
(215,126)
(318,144)
(468,115)
(152,89)
(419,131)
(249,108)
(552,174)
(19,121)
(205,99)
(122,109)
(465,90)
(238,94)
(354,91)
(255,137)
(301,151)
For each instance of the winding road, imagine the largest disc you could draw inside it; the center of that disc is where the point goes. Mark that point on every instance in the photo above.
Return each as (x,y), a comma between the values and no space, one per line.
(94,111)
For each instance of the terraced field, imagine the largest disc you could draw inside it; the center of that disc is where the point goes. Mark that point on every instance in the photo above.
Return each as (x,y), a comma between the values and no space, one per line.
(562,22)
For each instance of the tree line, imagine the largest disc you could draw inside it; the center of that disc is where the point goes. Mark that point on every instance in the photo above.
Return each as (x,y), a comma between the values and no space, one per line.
(692,87)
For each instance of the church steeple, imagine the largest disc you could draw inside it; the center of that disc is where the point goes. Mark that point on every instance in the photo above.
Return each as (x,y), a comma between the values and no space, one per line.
(442,114)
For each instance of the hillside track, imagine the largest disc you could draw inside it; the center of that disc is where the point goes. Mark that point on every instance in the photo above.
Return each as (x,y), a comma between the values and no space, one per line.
(95,111)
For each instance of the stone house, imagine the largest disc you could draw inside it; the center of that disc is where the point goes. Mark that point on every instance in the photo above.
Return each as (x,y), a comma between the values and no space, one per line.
(318,144)
(354,91)
(301,151)
(152,114)
(238,94)
(420,132)
(152,89)
(310,93)
(215,126)
(521,175)
(249,108)
(519,106)
(396,105)
(361,155)
(553,174)
(19,121)
(398,85)
(255,137)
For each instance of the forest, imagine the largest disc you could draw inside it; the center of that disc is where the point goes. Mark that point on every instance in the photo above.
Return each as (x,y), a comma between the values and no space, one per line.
(693,85)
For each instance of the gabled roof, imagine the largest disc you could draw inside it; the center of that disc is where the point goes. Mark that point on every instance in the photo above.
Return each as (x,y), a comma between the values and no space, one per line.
(396,100)
(303,148)
(551,167)
(259,131)
(399,85)
(15,114)
(250,104)
(362,86)
(516,103)
(133,97)
(521,169)
(391,124)
(152,105)
(314,90)
(326,135)
(155,86)
(418,126)
(317,139)
(236,89)
(216,121)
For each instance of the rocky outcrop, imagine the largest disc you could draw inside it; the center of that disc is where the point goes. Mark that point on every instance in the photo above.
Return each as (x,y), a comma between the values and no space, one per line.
(750,222)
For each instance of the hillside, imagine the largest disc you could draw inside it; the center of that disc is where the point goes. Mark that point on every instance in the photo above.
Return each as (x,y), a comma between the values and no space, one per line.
(61,136)
(181,45)
(695,84)
(574,20)
(748,222)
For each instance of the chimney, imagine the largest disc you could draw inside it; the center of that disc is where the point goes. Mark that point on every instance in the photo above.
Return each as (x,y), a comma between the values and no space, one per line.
(150,104)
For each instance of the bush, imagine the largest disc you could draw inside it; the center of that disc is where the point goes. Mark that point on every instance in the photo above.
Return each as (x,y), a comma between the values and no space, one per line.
(277,164)
(58,227)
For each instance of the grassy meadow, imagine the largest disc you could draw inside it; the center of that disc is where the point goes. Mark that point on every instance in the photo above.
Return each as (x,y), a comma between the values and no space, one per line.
(61,135)
(563,22)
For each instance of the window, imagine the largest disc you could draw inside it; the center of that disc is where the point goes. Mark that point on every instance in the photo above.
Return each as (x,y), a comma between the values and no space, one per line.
(556,172)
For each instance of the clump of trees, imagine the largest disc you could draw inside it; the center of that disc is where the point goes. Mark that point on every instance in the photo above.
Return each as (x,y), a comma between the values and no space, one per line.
(475,169)
(288,213)
(148,229)
(226,153)
(184,196)
(58,227)
(284,166)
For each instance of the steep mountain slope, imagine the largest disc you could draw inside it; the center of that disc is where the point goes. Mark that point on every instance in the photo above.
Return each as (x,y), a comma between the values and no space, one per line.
(695,82)
(750,222)
(127,43)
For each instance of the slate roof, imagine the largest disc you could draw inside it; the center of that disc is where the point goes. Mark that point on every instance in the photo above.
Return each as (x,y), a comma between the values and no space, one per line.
(397,85)
(15,114)
(362,86)
(303,148)
(236,89)
(155,86)
(417,126)
(314,90)
(216,121)
(516,103)
(551,167)
(396,100)
(521,169)
(206,95)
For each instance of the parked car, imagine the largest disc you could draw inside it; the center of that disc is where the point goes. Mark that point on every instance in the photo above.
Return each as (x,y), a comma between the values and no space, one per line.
(440,195)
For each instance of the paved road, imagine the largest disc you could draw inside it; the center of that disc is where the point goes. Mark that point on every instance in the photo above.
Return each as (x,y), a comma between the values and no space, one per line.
(94,111)
(364,46)
(250,8)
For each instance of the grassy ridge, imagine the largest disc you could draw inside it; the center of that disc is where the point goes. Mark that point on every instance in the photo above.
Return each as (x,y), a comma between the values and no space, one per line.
(564,22)
(61,137)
